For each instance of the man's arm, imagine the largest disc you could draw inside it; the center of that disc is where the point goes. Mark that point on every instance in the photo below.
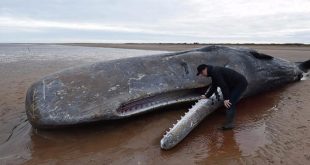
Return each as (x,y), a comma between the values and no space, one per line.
(222,84)
(211,90)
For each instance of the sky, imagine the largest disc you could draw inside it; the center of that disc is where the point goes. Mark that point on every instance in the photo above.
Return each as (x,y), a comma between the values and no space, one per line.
(149,21)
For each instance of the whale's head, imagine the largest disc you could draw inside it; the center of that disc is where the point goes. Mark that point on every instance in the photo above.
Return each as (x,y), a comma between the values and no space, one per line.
(112,90)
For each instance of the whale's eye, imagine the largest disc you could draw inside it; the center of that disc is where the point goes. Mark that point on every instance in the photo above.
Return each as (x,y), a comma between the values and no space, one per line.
(261,55)
(185,67)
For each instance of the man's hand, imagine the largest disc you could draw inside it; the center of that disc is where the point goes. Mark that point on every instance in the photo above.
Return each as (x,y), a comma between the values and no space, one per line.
(203,97)
(227,103)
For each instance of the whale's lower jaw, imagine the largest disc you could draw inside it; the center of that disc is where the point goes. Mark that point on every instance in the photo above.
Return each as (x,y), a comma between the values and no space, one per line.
(190,120)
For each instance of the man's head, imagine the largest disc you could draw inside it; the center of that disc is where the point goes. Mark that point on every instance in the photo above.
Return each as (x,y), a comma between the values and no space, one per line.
(202,70)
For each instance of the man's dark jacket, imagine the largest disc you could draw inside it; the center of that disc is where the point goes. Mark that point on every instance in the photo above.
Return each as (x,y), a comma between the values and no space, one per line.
(225,78)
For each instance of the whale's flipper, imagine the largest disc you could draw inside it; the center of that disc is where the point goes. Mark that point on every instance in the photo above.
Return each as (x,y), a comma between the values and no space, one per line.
(304,66)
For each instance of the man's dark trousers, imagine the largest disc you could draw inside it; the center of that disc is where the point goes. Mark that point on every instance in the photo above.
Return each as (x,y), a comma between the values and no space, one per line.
(235,95)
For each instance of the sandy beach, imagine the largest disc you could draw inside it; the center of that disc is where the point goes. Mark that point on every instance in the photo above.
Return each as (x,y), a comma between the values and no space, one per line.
(271,128)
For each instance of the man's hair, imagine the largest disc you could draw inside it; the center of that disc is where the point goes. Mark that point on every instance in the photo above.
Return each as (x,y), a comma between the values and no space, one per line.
(200,68)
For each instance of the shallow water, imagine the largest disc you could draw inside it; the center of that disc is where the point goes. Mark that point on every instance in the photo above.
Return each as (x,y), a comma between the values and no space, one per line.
(271,128)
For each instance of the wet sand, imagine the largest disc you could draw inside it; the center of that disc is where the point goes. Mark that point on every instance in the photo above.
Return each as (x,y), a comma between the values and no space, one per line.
(271,128)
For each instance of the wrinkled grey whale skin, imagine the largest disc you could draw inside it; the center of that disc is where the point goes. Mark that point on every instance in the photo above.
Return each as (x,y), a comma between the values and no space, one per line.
(126,87)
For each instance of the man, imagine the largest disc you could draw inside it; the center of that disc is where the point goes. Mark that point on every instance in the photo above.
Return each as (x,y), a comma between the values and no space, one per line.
(232,85)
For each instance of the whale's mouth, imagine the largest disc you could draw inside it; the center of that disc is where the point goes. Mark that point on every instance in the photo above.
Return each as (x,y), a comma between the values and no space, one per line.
(160,100)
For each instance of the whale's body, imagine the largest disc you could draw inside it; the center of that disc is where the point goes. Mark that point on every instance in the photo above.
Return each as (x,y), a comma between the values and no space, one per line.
(126,87)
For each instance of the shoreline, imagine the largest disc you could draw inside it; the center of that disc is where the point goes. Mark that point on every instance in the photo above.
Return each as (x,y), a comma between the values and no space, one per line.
(291,52)
(185,46)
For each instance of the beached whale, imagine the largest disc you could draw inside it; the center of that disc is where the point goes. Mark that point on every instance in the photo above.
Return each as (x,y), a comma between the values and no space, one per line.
(131,86)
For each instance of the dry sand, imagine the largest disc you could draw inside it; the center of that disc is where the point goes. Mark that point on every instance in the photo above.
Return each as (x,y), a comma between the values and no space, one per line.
(272,128)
